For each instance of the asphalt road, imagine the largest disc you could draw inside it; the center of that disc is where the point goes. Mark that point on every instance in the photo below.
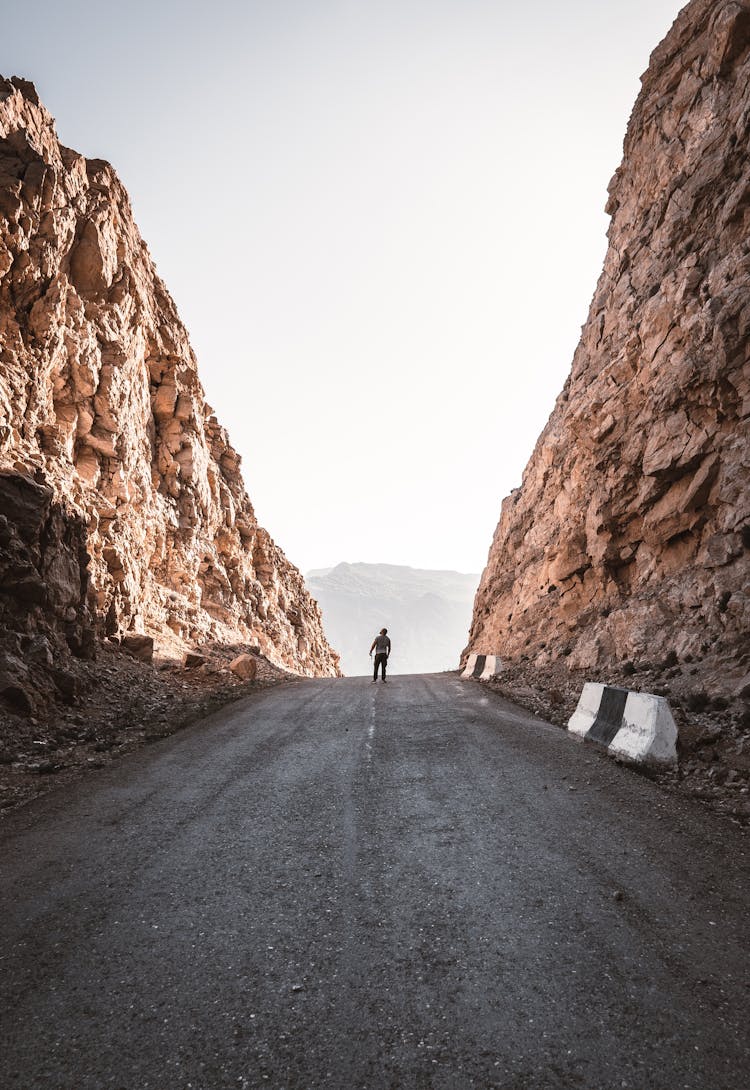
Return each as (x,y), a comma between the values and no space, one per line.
(342,885)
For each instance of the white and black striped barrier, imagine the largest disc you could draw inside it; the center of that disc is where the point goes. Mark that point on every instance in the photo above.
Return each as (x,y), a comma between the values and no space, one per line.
(637,727)
(482,667)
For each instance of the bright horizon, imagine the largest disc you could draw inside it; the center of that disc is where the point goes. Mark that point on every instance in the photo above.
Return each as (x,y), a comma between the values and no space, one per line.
(382,226)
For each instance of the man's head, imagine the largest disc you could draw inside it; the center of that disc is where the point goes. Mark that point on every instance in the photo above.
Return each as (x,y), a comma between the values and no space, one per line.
(383,631)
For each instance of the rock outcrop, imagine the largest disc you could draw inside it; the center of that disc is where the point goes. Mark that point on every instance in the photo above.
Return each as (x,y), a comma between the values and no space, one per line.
(629,537)
(122,505)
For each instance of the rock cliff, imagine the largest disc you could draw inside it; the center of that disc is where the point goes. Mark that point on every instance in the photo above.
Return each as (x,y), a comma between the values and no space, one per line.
(629,537)
(122,505)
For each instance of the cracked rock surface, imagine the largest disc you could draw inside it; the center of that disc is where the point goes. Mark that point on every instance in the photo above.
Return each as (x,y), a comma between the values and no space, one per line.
(629,538)
(123,512)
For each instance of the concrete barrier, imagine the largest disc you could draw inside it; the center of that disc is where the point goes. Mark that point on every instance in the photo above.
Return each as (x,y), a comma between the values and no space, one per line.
(482,667)
(635,726)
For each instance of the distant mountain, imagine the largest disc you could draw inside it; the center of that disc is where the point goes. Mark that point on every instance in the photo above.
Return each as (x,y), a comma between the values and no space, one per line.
(427,614)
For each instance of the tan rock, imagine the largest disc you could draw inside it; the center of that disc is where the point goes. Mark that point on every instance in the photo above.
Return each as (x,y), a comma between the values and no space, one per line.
(139,646)
(99,394)
(245,667)
(630,535)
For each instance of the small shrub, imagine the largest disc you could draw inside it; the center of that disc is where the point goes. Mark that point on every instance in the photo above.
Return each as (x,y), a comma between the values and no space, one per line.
(697,700)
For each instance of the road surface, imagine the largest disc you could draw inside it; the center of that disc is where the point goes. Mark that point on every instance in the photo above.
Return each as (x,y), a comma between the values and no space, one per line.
(342,885)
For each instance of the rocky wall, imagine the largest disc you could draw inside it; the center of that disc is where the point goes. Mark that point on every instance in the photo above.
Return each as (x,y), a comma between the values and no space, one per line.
(629,538)
(101,404)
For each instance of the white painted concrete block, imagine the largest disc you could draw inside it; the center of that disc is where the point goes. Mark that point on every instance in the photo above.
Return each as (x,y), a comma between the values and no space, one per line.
(583,717)
(648,732)
(482,667)
(469,668)
(637,727)
(492,667)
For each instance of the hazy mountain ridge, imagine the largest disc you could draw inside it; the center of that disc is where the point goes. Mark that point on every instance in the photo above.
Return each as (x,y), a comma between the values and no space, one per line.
(427,613)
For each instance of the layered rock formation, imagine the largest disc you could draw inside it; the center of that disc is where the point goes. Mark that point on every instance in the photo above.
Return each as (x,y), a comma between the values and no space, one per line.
(123,506)
(629,537)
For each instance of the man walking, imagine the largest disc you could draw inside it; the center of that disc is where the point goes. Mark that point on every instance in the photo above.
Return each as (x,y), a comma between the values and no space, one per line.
(381,645)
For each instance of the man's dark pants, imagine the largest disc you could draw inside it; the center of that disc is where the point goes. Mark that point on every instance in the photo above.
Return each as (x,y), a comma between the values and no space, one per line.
(380,660)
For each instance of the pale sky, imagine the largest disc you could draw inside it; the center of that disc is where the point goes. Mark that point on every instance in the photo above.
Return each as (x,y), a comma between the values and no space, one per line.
(382,223)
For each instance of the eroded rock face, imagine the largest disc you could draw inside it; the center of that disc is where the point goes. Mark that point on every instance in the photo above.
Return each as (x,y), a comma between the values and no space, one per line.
(630,534)
(101,406)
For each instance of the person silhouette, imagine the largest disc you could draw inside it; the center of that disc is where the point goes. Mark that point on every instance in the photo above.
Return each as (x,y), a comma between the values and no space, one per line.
(381,645)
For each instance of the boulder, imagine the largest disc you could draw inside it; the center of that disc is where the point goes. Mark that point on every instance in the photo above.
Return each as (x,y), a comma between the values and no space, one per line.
(15,695)
(66,684)
(244,667)
(139,646)
(482,667)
